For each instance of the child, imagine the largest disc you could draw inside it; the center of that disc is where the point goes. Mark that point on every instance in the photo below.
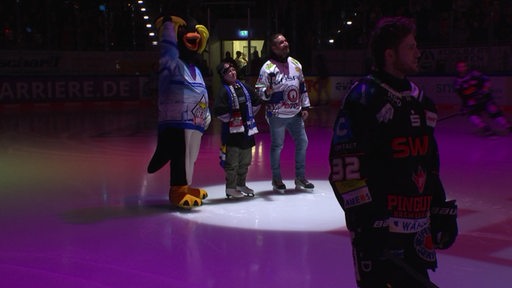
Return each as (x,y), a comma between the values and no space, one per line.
(235,105)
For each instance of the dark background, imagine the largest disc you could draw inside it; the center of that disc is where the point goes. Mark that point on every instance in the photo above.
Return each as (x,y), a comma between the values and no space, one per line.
(114,25)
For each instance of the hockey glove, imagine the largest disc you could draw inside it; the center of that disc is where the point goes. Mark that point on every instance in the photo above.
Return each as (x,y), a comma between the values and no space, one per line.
(443,220)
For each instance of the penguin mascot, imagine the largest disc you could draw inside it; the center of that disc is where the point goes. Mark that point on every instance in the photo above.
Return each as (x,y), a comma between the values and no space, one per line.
(183,113)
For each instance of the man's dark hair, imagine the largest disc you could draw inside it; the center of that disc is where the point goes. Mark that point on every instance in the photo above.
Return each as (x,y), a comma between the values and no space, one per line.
(388,34)
(273,37)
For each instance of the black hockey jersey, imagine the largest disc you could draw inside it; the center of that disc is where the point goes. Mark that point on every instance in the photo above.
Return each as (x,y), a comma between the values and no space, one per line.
(384,164)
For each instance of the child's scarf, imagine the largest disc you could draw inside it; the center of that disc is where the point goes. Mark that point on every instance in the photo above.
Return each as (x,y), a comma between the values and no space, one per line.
(235,122)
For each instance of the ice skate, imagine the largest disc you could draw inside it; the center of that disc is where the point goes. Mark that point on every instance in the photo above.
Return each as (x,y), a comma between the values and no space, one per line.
(246,190)
(302,184)
(231,192)
(179,196)
(278,186)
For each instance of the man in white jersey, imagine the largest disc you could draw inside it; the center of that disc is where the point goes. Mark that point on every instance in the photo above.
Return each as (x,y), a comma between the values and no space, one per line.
(281,84)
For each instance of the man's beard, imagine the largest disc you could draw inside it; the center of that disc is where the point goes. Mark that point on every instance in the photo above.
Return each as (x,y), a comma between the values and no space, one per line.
(282,56)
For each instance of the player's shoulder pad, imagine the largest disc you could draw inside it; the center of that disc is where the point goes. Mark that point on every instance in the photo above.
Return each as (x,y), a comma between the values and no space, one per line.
(362,90)
(418,93)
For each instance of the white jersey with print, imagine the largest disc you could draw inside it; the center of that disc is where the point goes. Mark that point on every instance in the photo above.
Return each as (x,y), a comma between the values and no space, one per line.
(182,96)
(289,93)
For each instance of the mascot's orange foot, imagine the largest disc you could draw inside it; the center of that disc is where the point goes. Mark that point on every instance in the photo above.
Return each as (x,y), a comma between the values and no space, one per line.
(198,192)
(180,196)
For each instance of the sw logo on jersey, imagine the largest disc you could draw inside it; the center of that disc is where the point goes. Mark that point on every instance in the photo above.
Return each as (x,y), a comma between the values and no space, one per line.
(409,146)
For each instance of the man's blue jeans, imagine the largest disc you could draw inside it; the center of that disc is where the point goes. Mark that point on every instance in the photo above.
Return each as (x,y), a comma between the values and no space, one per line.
(278,127)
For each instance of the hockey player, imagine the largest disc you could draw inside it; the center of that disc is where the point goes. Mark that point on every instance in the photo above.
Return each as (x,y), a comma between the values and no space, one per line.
(473,88)
(183,107)
(384,168)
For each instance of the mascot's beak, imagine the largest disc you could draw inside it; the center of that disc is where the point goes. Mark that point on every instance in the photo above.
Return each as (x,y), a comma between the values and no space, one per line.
(191,41)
